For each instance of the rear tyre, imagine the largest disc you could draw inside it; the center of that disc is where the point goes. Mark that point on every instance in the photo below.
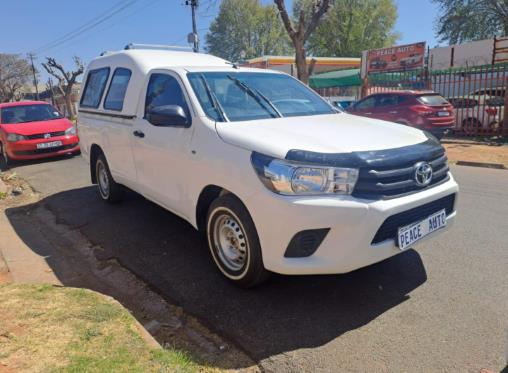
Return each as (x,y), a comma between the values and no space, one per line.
(109,190)
(471,125)
(234,243)
(4,158)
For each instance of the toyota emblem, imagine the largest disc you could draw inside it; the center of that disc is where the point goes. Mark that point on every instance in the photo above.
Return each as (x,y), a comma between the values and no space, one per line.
(423,174)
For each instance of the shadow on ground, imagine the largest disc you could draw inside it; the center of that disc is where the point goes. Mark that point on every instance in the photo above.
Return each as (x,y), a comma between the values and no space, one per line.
(286,314)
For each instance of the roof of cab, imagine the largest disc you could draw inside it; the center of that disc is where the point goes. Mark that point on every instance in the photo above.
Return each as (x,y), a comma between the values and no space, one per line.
(148,59)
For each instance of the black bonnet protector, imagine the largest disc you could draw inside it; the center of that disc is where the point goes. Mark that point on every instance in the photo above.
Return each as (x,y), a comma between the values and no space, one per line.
(379,159)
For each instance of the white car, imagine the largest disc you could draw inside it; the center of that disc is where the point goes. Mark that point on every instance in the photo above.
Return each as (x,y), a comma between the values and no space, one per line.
(475,112)
(276,178)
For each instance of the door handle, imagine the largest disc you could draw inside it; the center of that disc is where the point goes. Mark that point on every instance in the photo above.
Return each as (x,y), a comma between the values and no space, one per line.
(393,112)
(138,134)
(368,113)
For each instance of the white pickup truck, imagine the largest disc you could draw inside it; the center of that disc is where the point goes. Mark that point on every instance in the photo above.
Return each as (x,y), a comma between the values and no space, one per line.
(276,178)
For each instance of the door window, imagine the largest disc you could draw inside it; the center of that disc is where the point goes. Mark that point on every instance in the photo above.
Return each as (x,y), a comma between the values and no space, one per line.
(387,100)
(368,103)
(164,90)
(94,87)
(117,88)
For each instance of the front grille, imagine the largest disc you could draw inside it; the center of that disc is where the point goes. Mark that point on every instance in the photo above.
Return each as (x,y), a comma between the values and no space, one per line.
(398,179)
(41,135)
(47,150)
(390,226)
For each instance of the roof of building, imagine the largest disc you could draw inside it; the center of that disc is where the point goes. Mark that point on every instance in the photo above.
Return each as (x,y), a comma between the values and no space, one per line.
(339,78)
(284,60)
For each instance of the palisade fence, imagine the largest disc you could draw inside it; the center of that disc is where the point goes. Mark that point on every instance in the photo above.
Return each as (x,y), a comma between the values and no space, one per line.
(477,93)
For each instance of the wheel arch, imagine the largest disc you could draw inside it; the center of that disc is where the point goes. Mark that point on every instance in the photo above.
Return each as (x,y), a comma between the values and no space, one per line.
(208,194)
(95,151)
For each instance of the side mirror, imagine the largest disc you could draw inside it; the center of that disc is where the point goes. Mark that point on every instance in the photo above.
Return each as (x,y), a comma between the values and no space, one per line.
(168,116)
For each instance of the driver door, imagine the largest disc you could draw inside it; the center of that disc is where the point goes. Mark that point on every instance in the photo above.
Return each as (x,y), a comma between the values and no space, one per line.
(161,152)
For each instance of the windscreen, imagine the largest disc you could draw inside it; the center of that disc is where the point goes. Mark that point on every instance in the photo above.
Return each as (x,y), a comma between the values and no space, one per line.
(432,100)
(28,113)
(241,96)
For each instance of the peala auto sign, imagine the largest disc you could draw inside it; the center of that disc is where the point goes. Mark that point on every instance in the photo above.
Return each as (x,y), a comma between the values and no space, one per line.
(400,57)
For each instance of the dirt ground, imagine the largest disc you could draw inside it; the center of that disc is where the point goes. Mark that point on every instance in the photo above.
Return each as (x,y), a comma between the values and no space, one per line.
(472,152)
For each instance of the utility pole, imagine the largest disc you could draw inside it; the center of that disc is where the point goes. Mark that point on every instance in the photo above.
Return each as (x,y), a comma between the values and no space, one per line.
(50,85)
(194,36)
(31,56)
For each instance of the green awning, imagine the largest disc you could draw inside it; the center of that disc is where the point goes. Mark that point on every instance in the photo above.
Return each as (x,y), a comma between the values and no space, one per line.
(339,78)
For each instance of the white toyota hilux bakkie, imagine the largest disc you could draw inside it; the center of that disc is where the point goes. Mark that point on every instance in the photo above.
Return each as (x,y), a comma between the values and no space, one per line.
(274,176)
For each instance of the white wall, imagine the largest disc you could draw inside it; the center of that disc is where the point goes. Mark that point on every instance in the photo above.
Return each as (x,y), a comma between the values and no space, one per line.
(474,53)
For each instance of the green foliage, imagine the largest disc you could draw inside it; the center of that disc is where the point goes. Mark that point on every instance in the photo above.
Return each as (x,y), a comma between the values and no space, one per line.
(246,26)
(352,26)
(466,20)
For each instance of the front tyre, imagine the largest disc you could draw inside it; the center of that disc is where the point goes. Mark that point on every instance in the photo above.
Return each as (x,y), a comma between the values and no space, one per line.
(109,190)
(234,243)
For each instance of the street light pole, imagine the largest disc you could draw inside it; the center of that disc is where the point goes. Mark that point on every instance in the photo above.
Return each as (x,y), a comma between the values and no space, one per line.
(31,56)
(194,5)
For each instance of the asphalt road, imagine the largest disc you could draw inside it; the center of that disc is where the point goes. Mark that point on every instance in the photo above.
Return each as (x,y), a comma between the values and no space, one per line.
(441,308)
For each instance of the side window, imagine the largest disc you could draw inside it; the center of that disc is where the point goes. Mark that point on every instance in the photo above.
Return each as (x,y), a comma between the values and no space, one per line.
(368,103)
(94,88)
(117,88)
(164,90)
(387,100)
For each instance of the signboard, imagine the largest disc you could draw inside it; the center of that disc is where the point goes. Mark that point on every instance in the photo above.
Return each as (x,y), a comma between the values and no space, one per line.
(402,57)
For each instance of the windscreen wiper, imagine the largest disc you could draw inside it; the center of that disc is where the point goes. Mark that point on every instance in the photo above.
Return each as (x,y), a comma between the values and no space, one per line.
(258,96)
(215,102)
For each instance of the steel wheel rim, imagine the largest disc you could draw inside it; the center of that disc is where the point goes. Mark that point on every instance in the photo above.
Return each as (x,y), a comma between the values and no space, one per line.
(103,180)
(230,242)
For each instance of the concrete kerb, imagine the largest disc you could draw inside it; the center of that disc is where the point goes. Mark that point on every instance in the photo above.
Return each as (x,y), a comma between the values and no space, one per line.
(497,166)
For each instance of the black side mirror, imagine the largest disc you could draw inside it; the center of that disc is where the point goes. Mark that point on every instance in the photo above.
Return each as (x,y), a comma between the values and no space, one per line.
(168,116)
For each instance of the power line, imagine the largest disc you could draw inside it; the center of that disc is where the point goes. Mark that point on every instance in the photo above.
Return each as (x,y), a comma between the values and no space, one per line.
(128,15)
(110,12)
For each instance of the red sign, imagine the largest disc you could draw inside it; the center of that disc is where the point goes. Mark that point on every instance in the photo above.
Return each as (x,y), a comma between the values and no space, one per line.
(409,56)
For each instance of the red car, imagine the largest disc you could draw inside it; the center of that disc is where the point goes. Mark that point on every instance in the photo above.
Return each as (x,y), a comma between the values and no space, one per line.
(35,129)
(425,110)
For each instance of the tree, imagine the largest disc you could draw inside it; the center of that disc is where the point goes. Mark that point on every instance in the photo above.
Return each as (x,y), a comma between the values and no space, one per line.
(466,20)
(352,26)
(15,72)
(301,29)
(66,79)
(246,29)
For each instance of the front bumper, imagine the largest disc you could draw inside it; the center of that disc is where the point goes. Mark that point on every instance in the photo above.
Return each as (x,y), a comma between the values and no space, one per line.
(353,223)
(27,149)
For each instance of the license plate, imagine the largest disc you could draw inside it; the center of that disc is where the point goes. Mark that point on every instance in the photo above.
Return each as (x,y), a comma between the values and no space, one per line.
(443,113)
(52,144)
(414,232)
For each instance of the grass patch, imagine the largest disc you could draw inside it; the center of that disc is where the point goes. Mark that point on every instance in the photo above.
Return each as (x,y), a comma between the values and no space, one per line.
(53,329)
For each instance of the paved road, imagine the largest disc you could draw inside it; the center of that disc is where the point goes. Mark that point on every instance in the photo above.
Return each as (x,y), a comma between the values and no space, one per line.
(443,308)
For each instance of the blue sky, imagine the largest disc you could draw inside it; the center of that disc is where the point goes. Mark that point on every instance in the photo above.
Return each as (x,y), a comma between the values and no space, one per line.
(30,25)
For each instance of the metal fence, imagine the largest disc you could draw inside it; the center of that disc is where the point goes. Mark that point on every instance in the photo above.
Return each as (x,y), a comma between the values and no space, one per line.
(477,93)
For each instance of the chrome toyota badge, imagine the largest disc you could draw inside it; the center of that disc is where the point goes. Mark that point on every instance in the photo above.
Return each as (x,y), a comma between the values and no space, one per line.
(423,173)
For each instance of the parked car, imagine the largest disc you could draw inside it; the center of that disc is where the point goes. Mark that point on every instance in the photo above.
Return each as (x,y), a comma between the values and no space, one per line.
(275,178)
(425,110)
(33,130)
(342,103)
(477,112)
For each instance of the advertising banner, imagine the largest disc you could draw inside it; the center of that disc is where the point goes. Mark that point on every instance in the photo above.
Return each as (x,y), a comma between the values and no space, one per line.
(402,57)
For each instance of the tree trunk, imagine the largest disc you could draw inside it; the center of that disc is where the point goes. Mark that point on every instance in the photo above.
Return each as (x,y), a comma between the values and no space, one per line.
(69,106)
(301,61)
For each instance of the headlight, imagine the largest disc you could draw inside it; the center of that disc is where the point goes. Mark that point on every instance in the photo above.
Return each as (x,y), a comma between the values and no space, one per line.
(290,178)
(70,131)
(13,137)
